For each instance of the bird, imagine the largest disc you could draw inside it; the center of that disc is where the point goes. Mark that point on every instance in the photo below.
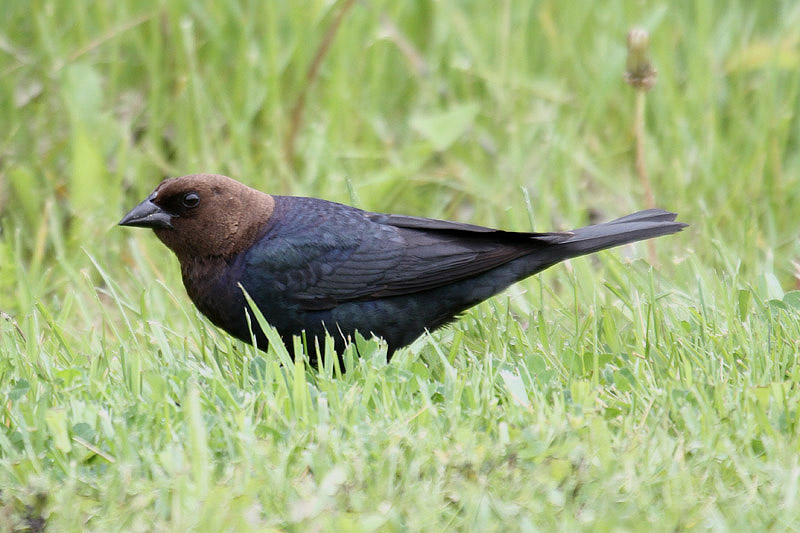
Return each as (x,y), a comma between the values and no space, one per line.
(315,267)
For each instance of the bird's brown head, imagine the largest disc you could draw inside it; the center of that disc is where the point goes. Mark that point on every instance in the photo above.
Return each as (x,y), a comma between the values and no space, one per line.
(203,215)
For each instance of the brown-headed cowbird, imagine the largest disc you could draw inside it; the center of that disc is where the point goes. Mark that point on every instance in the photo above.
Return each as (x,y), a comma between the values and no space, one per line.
(313,266)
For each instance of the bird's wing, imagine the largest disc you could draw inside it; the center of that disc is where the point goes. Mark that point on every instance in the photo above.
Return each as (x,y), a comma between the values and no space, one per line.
(340,254)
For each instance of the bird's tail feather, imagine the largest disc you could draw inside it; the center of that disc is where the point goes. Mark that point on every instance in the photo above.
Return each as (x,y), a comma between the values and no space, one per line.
(635,227)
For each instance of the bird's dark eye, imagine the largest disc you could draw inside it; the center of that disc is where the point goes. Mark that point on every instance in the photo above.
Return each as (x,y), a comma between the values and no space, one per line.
(190,200)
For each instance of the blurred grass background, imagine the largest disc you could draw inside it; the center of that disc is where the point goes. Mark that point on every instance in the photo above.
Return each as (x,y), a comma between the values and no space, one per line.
(601,395)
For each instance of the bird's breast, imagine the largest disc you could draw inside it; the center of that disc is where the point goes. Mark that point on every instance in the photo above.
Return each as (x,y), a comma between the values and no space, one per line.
(213,285)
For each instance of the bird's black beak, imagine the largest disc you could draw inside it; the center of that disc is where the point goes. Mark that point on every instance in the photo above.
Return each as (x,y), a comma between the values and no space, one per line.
(147,215)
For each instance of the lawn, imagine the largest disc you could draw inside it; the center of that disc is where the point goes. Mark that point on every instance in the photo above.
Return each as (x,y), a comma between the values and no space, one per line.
(634,390)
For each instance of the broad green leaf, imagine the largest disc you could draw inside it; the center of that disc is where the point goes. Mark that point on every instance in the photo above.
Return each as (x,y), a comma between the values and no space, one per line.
(442,129)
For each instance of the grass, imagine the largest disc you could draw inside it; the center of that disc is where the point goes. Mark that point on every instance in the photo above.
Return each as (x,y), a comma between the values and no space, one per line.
(605,394)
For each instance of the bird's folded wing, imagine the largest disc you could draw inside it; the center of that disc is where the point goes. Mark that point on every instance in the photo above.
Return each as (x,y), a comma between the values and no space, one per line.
(387,255)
